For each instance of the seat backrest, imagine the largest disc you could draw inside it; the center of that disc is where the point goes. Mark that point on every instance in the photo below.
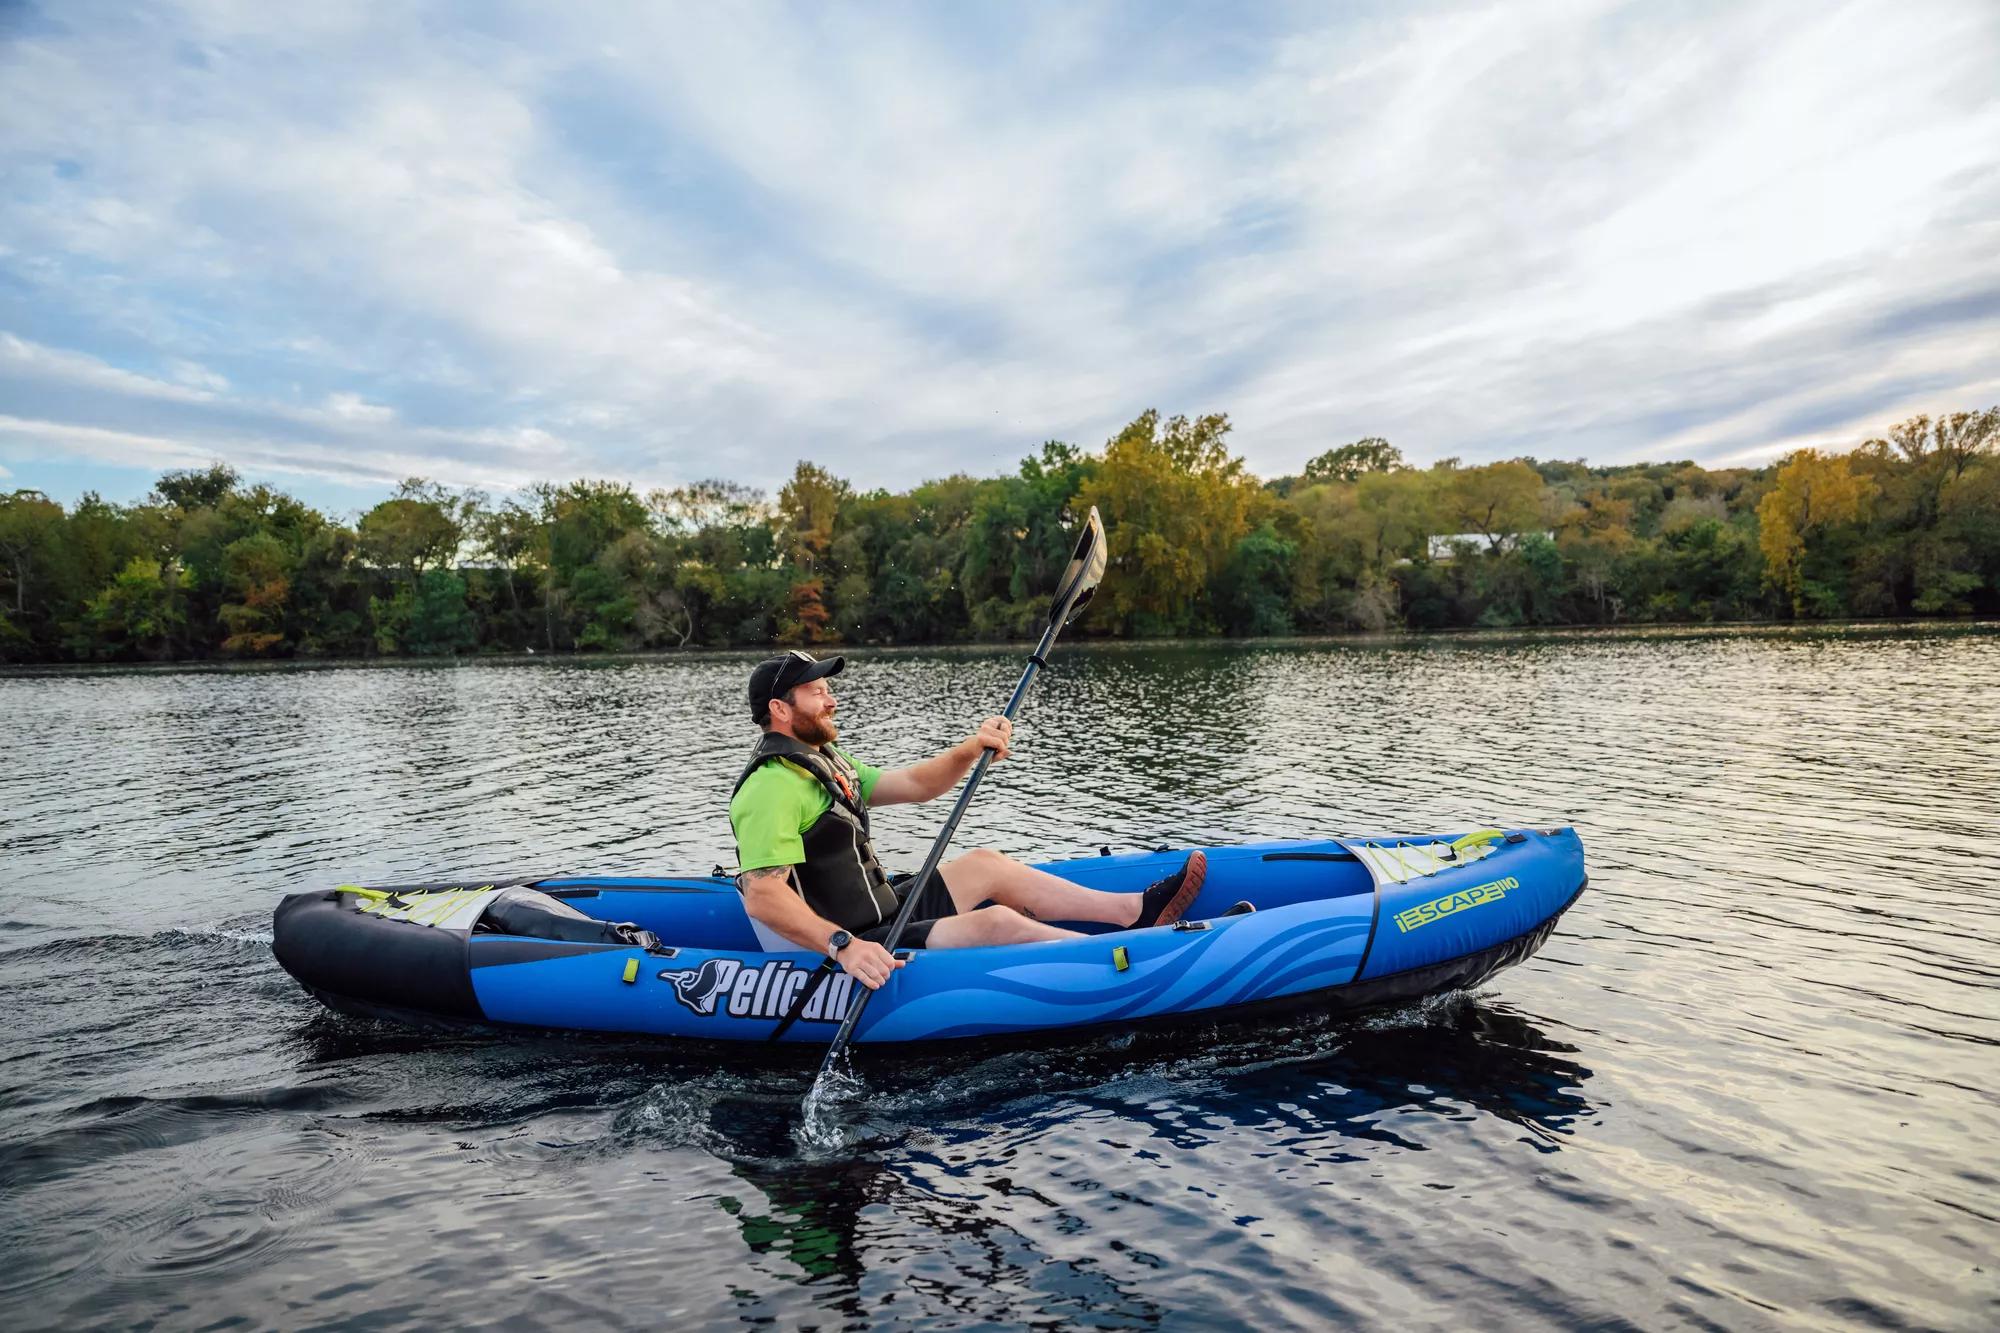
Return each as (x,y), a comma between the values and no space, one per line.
(537,916)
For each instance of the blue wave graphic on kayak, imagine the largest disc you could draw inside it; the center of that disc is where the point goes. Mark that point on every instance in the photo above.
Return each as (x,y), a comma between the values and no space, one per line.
(1224,966)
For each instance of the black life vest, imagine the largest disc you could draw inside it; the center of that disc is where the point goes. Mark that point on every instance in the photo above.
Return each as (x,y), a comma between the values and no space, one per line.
(841,878)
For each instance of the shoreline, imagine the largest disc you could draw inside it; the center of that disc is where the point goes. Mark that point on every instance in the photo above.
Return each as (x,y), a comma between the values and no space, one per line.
(1358,638)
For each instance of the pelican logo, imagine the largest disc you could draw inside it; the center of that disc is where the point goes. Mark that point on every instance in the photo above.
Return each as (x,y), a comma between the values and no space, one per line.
(698,989)
(767,991)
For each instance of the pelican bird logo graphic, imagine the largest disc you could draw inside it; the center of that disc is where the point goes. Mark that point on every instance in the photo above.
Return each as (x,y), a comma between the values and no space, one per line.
(700,987)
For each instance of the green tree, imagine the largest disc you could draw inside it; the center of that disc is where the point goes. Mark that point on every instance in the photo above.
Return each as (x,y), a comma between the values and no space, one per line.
(420,529)
(428,618)
(98,540)
(725,542)
(898,560)
(327,610)
(1921,551)
(808,507)
(200,540)
(1018,540)
(196,488)
(140,613)
(1255,588)
(1940,450)
(1969,520)
(510,538)
(584,604)
(651,610)
(30,532)
(1907,522)
(257,571)
(1350,461)
(710,503)
(1521,586)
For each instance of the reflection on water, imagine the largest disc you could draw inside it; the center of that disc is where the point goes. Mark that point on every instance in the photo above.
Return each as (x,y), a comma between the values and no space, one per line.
(1748,1082)
(1319,1096)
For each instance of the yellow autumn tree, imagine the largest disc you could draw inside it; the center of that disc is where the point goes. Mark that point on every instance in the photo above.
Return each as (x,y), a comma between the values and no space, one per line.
(1814,491)
(1174,502)
(1497,501)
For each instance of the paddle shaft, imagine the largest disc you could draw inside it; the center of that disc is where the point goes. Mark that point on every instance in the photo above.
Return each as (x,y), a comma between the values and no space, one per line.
(923,878)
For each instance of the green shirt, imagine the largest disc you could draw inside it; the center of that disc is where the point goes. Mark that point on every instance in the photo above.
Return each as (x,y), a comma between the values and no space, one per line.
(776,805)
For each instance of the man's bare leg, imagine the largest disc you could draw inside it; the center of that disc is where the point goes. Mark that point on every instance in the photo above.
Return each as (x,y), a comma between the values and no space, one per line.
(993,925)
(985,876)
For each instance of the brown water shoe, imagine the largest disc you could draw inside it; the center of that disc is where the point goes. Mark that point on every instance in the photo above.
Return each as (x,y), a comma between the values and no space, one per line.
(1167,900)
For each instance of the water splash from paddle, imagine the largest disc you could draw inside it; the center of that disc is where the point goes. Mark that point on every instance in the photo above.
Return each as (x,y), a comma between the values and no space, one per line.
(821,1126)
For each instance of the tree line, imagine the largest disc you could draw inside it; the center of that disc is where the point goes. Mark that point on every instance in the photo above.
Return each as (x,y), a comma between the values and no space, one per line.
(208,567)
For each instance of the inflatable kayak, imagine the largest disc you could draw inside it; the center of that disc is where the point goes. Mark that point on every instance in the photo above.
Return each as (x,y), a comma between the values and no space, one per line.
(1340,923)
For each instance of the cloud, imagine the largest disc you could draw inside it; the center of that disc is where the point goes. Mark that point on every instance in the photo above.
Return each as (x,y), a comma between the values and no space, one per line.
(22,359)
(498,460)
(675,242)
(105,446)
(351,407)
(343,435)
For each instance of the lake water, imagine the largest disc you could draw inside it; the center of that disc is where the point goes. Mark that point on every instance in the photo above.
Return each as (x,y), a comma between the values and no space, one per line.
(1750,1082)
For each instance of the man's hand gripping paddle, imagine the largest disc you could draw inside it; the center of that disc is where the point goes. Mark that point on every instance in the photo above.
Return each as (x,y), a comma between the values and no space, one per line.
(1079,581)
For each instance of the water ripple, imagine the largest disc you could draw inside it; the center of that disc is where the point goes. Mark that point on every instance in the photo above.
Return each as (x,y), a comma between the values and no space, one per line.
(1750,1082)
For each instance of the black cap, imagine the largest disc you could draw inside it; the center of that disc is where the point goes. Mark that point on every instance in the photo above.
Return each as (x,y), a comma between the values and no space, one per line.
(775,675)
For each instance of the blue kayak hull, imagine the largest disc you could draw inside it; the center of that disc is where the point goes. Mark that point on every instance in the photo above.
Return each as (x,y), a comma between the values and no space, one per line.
(1341,923)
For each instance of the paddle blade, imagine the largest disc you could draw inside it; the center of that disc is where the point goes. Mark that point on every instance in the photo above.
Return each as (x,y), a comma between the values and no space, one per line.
(1085,572)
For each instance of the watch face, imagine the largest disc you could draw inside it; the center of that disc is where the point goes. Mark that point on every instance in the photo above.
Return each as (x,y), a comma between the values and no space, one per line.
(837,941)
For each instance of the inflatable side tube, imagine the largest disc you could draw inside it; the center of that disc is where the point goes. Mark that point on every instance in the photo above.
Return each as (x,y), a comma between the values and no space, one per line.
(335,950)
(1455,910)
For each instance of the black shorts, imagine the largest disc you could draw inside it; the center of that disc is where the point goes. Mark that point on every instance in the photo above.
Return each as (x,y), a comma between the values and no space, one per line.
(933,907)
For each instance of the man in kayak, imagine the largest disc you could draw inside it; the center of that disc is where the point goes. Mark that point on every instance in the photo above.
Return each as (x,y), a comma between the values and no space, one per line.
(809,872)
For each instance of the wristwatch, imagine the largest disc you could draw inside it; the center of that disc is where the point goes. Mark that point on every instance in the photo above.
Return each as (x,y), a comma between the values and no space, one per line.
(837,941)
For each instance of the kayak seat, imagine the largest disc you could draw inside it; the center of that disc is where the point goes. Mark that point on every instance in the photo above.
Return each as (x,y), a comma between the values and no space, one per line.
(537,916)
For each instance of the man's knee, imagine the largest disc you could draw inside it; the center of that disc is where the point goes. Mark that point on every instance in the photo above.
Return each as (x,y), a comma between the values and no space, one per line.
(1004,925)
(999,925)
(972,877)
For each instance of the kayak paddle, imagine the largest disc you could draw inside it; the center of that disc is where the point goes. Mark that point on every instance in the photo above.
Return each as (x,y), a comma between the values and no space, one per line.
(1079,581)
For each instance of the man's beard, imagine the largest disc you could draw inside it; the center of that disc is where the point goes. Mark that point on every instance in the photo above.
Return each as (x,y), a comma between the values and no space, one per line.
(819,730)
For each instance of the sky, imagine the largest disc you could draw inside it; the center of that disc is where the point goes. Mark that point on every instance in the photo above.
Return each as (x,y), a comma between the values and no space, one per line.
(491,244)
